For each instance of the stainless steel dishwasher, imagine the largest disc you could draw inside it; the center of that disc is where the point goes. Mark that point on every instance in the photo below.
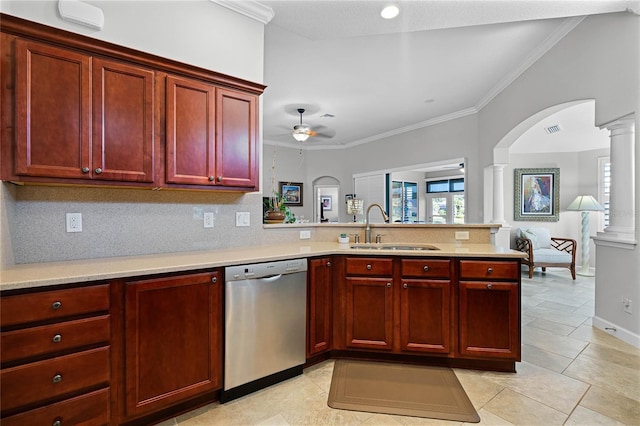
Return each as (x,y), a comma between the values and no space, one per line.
(265,325)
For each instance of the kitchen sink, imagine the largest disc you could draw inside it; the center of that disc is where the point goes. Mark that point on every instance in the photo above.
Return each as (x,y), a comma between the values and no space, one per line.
(394,247)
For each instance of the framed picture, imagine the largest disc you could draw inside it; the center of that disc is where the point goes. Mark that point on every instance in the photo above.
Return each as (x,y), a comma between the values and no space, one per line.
(537,195)
(291,193)
(326,202)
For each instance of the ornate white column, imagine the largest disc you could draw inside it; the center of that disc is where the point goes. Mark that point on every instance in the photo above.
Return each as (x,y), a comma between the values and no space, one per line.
(498,194)
(622,196)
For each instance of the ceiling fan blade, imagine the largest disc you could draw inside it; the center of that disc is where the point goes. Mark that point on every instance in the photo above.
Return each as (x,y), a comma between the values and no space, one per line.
(324,132)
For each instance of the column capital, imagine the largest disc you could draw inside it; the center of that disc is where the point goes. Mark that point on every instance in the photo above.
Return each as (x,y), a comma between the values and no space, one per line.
(627,122)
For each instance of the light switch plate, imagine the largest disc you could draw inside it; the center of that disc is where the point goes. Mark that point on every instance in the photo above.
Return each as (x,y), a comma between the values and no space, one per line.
(462,235)
(305,235)
(243,219)
(208,219)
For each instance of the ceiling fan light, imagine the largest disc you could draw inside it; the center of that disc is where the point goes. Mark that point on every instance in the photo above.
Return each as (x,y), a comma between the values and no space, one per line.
(300,133)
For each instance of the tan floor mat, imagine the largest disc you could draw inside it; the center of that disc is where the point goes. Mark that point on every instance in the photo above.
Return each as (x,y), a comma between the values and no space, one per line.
(401,389)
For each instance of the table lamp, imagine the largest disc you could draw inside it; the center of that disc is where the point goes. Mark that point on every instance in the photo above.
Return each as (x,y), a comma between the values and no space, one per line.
(585,204)
(354,207)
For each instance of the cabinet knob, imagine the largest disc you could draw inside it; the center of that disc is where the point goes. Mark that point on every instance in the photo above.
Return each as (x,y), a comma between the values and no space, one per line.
(389,285)
(211,178)
(328,264)
(85,170)
(57,338)
(219,178)
(57,378)
(57,423)
(489,286)
(98,170)
(426,268)
(214,280)
(405,285)
(368,267)
(489,270)
(56,305)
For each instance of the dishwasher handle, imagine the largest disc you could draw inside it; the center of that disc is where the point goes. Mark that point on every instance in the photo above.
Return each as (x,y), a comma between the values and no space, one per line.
(271,278)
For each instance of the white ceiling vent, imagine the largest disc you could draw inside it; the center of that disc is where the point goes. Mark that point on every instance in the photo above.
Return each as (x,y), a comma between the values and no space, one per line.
(553,129)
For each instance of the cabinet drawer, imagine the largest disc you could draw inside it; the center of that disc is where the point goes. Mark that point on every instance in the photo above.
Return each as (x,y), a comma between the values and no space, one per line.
(369,266)
(91,409)
(53,304)
(45,339)
(489,269)
(432,268)
(41,380)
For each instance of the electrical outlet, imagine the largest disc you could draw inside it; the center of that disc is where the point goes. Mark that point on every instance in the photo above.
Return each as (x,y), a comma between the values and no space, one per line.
(626,303)
(208,219)
(74,222)
(305,235)
(462,235)
(243,219)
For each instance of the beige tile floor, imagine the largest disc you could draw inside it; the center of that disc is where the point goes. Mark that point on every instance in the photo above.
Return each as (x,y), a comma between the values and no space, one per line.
(570,374)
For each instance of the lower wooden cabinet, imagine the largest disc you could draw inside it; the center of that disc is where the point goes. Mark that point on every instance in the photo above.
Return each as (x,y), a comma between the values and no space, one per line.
(55,355)
(490,309)
(467,309)
(425,316)
(173,340)
(319,305)
(91,409)
(369,313)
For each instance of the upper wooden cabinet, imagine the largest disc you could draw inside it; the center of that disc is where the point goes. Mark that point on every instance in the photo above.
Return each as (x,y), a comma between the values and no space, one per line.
(61,133)
(211,135)
(80,111)
(53,105)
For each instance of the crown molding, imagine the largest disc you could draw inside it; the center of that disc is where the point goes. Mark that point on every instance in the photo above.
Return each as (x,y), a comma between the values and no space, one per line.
(416,126)
(249,8)
(567,26)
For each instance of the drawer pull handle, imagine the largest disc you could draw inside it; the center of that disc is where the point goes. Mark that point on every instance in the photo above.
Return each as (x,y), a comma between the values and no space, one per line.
(57,338)
(426,268)
(405,285)
(489,286)
(57,378)
(328,264)
(56,305)
(389,285)
(57,423)
(489,270)
(368,267)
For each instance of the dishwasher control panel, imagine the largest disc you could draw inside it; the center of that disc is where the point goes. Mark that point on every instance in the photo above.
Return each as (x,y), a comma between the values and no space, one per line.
(261,270)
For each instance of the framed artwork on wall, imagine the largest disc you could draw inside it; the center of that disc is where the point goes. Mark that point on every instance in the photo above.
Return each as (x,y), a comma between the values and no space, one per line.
(326,202)
(537,195)
(291,193)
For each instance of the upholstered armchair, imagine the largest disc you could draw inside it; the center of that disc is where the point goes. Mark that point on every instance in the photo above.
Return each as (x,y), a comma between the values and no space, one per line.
(544,251)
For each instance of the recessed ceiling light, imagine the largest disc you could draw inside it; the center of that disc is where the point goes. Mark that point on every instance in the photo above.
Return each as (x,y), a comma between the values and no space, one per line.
(390,12)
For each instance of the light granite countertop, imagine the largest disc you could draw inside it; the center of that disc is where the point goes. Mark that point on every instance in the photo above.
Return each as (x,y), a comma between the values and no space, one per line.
(46,274)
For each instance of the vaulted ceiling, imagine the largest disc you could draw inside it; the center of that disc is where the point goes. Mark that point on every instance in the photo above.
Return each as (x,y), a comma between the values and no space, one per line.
(363,78)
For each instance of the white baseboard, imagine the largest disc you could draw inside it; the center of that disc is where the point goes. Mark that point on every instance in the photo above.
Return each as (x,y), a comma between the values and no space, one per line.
(617,331)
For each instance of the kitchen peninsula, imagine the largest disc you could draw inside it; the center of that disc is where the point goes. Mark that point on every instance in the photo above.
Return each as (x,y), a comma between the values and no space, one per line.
(118,321)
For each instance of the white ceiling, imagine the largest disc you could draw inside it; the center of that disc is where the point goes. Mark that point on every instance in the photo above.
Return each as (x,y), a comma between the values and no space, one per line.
(436,61)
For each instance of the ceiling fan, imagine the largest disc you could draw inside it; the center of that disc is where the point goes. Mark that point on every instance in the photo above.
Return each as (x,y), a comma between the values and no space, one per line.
(302,132)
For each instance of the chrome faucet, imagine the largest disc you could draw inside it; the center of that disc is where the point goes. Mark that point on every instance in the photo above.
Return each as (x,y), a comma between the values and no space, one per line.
(367,229)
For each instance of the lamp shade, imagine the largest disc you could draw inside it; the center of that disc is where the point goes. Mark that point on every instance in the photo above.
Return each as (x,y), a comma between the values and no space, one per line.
(585,203)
